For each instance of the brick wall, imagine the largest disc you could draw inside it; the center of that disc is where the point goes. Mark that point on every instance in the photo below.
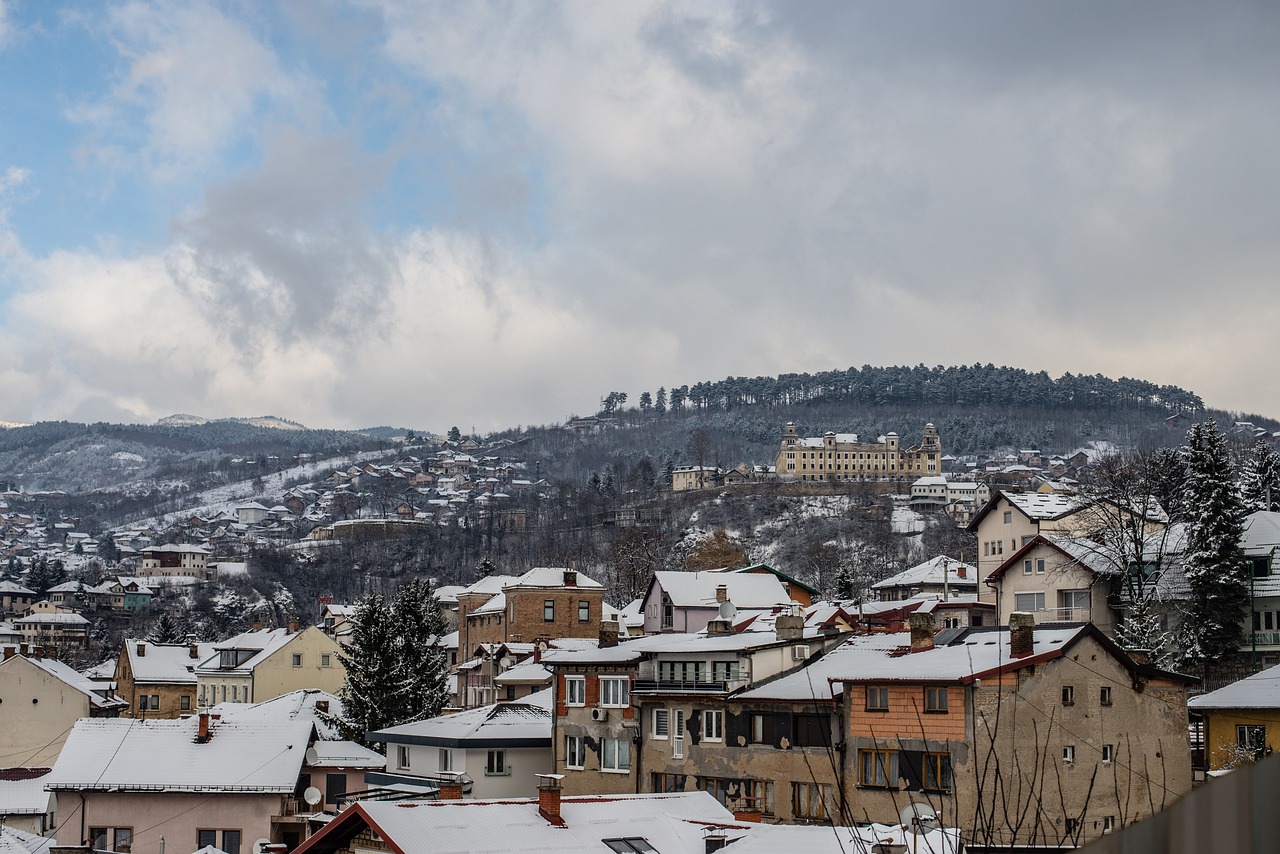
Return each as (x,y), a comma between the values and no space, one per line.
(906,717)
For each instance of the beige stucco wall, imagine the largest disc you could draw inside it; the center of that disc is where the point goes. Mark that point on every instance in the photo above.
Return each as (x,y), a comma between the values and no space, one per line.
(36,713)
(277,675)
(174,816)
(1060,573)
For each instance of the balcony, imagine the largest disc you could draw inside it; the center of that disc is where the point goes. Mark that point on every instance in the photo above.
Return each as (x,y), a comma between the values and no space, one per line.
(1264,638)
(683,686)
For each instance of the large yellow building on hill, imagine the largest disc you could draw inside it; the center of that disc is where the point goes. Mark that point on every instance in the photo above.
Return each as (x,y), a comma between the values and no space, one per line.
(841,456)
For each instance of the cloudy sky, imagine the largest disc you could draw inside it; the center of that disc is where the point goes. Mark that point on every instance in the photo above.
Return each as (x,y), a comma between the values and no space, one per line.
(491,214)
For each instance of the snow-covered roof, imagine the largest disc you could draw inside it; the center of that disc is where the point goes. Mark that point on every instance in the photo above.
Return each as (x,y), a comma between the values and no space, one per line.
(266,642)
(938,570)
(22,791)
(295,706)
(524,674)
(1044,505)
(182,548)
(14,841)
(346,754)
(448,594)
(64,619)
(70,677)
(490,584)
(496,605)
(745,590)
(13,588)
(1259,691)
(165,662)
(126,754)
(673,823)
(818,839)
(1261,533)
(552,576)
(522,723)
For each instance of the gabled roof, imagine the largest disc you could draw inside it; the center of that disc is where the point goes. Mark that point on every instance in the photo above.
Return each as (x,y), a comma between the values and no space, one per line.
(938,570)
(1261,533)
(69,677)
(22,791)
(167,663)
(698,589)
(124,754)
(297,705)
(523,723)
(266,642)
(673,823)
(1037,506)
(760,568)
(14,841)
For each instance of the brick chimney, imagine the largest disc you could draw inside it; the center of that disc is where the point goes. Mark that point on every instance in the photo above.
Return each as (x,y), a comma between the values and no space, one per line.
(193,650)
(293,626)
(1021,626)
(10,652)
(450,787)
(608,633)
(202,734)
(570,578)
(921,631)
(719,626)
(962,571)
(37,652)
(142,650)
(257,624)
(549,798)
(722,593)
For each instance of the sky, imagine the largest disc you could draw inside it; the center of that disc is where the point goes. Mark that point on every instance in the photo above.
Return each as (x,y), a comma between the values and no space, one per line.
(492,214)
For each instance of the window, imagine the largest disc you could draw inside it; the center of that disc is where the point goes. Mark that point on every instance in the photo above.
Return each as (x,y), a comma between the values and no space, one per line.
(937,772)
(1008,517)
(1073,826)
(584,611)
(446,759)
(1040,566)
(1028,601)
(935,700)
(669,782)
(677,734)
(185,703)
(496,764)
(297,659)
(877,698)
(1068,695)
(740,793)
(335,786)
(1073,600)
(575,689)
(630,845)
(615,754)
(204,838)
(230,840)
(811,801)
(724,671)
(761,729)
(575,752)
(614,692)
(682,671)
(661,723)
(1026,566)
(810,730)
(1108,752)
(325,660)
(549,610)
(402,756)
(1068,753)
(878,768)
(1252,737)
(1108,823)
(713,725)
(1104,695)
(144,703)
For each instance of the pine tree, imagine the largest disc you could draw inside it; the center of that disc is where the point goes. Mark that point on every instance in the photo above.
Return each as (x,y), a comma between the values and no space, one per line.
(166,630)
(45,573)
(370,694)
(660,403)
(422,665)
(1260,478)
(1141,631)
(1216,570)
(485,568)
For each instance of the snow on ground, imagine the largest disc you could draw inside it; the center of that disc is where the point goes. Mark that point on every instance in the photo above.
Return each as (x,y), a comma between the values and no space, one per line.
(906,521)
(225,498)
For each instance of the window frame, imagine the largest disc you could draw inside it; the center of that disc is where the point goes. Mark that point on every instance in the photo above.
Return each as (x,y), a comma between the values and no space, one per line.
(498,768)
(1104,695)
(615,685)
(584,610)
(713,732)
(936,700)
(936,768)
(404,757)
(877,697)
(663,732)
(296,660)
(619,747)
(548,610)
(575,748)
(1068,695)
(1037,603)
(881,762)
(570,681)
(1068,753)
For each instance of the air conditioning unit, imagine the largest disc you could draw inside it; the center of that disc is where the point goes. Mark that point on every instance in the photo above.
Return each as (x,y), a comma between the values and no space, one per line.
(599,714)
(800,652)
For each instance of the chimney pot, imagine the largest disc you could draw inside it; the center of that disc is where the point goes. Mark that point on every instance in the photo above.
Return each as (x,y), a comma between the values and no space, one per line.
(37,652)
(257,625)
(921,631)
(1021,628)
(322,706)
(962,571)
(142,650)
(719,626)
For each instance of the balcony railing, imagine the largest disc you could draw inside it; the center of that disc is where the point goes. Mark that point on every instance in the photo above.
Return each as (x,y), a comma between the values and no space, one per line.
(679,686)
(1266,638)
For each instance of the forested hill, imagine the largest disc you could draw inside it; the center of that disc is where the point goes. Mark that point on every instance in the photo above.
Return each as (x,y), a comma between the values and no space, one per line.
(975,385)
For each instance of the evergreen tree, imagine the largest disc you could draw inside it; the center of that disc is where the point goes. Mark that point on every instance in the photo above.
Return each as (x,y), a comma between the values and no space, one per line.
(370,694)
(45,573)
(1216,568)
(485,568)
(1141,631)
(660,403)
(423,668)
(646,402)
(166,630)
(1260,478)
(455,435)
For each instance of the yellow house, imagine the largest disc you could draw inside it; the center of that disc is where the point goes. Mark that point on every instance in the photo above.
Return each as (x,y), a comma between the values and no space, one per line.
(1238,723)
(265,663)
(40,700)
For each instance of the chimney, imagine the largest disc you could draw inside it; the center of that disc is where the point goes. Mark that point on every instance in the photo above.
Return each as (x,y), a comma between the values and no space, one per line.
(962,571)
(37,652)
(570,578)
(9,652)
(549,798)
(722,593)
(322,706)
(257,624)
(747,812)
(24,649)
(193,650)
(450,788)
(293,626)
(608,633)
(202,734)
(921,631)
(142,650)
(1021,625)
(789,627)
(719,626)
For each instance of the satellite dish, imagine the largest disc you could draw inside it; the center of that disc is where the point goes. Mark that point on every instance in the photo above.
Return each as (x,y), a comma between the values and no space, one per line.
(312,795)
(921,815)
(260,846)
(504,662)
(728,610)
(312,757)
